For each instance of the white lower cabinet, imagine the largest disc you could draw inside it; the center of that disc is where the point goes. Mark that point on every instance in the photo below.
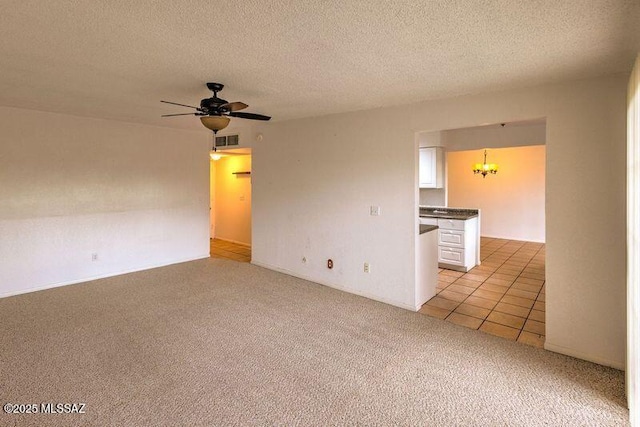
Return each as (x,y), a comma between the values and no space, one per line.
(457,243)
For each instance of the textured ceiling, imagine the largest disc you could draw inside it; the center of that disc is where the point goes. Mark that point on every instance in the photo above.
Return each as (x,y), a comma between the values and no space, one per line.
(117,59)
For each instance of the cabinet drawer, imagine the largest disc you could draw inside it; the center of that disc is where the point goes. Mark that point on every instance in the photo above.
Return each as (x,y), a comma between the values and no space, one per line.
(451,224)
(453,256)
(451,238)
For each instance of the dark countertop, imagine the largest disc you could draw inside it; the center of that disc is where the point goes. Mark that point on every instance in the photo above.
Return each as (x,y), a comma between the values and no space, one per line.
(427,228)
(448,213)
(450,216)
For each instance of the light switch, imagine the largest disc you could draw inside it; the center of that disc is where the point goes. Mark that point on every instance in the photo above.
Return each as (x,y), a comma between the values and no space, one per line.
(375,210)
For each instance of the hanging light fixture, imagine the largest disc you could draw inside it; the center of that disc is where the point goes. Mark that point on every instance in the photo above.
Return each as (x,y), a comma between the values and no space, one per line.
(485,168)
(215,123)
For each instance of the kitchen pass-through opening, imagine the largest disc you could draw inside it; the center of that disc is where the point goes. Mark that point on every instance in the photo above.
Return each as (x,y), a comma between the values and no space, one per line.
(490,244)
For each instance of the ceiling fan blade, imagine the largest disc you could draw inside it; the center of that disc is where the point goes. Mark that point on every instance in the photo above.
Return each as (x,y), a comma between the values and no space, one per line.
(182,105)
(250,116)
(181,114)
(233,106)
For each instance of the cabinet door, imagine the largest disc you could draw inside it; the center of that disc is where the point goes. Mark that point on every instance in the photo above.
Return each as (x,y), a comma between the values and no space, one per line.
(451,238)
(427,168)
(454,256)
(431,170)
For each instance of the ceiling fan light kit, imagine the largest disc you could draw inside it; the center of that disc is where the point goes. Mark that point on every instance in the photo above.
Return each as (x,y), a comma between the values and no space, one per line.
(215,123)
(214,112)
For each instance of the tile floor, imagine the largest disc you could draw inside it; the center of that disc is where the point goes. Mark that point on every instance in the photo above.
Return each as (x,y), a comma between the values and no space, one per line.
(504,296)
(230,250)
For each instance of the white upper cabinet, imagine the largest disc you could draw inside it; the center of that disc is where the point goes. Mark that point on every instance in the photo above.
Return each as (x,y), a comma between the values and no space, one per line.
(431,174)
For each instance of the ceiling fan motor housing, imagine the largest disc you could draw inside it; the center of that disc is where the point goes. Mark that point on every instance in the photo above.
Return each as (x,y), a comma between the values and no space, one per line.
(212,104)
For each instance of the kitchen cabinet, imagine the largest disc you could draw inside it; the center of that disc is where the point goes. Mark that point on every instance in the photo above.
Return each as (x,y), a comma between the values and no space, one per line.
(458,243)
(431,167)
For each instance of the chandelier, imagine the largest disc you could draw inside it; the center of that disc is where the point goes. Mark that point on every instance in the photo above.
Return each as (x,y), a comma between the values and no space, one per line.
(485,168)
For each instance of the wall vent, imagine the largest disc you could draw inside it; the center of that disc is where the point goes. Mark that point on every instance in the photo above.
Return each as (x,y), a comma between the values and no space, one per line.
(227,141)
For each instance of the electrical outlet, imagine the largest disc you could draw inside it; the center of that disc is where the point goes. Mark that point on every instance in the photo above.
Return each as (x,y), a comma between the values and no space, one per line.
(374,211)
(94,256)
(367,269)
(329,264)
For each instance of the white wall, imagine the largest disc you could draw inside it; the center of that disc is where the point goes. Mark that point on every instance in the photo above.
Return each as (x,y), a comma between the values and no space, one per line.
(511,201)
(429,139)
(233,199)
(315,179)
(433,196)
(633,245)
(69,187)
(314,182)
(494,136)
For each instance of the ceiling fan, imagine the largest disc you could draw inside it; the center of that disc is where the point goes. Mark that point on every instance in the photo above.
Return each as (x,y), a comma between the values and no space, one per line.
(214,112)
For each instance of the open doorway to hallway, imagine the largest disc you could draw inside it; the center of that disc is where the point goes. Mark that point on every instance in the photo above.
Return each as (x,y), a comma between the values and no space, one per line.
(230,197)
(229,250)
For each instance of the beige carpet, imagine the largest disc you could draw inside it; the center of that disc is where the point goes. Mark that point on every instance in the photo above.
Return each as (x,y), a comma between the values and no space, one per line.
(216,342)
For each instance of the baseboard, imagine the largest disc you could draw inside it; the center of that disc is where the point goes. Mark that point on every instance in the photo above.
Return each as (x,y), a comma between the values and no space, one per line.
(583,356)
(101,276)
(514,238)
(334,286)
(453,267)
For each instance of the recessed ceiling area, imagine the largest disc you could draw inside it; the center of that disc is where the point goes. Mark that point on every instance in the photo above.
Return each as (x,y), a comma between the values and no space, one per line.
(290,59)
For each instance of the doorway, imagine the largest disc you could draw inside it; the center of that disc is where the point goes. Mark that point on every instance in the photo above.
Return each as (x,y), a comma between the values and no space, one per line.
(505,294)
(230,204)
